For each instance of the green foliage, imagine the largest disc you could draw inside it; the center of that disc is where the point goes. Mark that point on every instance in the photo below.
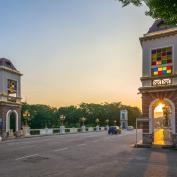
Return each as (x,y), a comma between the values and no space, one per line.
(158,9)
(40,115)
(43,115)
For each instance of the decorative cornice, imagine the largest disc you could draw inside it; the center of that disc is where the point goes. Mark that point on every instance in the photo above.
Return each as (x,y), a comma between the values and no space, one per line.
(10,103)
(161,88)
(5,95)
(10,70)
(157,77)
(159,34)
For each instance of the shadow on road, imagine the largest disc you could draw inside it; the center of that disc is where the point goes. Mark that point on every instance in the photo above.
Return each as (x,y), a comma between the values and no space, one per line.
(150,163)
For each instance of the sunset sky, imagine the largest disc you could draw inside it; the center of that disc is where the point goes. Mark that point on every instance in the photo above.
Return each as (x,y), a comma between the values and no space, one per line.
(73,51)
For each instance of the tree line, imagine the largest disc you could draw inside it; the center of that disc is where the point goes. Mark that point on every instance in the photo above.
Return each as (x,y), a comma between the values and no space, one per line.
(41,116)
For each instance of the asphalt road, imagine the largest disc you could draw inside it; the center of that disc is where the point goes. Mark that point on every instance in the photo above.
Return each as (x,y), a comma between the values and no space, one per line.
(85,155)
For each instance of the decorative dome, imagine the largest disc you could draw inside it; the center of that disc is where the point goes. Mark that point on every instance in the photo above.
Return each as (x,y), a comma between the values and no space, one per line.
(160,25)
(7,63)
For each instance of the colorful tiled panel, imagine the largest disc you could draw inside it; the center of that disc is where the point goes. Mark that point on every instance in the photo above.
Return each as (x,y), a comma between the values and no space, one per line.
(161,61)
(157,71)
(161,56)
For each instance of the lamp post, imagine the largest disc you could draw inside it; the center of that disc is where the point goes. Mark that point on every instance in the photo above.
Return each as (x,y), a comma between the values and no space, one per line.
(83,119)
(115,122)
(62,127)
(26,116)
(97,127)
(26,128)
(62,118)
(107,124)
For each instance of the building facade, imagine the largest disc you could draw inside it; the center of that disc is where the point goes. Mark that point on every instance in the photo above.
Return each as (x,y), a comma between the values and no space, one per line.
(159,84)
(10,98)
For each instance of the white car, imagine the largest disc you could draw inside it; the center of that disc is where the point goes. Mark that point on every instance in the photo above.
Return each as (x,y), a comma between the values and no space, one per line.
(130,128)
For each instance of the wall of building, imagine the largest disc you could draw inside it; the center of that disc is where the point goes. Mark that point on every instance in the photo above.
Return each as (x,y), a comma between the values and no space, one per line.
(147,99)
(4,108)
(148,45)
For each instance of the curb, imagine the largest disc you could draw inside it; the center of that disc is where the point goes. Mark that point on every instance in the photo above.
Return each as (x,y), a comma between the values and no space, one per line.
(172,147)
(36,136)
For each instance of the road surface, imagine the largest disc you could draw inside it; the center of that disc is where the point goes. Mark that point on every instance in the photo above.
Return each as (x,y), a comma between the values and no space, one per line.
(85,155)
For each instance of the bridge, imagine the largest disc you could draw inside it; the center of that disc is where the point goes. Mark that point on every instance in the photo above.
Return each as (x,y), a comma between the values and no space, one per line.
(93,154)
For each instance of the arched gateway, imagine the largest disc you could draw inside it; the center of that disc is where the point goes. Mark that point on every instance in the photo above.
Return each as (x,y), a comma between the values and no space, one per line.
(9,124)
(10,98)
(162,121)
(159,84)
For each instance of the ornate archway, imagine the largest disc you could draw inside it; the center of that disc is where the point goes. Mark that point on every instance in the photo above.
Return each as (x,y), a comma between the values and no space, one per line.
(8,120)
(156,125)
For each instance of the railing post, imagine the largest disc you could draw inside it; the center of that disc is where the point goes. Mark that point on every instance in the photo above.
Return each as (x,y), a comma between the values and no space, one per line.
(62,129)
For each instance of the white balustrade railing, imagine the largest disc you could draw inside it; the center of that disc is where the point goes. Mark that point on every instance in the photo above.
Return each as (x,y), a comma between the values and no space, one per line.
(52,131)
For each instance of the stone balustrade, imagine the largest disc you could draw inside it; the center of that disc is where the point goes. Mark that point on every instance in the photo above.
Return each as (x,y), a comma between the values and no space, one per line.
(27,132)
(63,130)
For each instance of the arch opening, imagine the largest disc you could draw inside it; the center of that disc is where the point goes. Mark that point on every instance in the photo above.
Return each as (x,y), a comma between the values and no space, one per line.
(162,120)
(11,121)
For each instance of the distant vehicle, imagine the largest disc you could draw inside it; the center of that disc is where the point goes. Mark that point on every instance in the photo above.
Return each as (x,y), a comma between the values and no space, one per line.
(130,128)
(114,130)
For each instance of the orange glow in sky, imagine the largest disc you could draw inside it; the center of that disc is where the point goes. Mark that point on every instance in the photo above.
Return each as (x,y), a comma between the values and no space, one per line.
(73,52)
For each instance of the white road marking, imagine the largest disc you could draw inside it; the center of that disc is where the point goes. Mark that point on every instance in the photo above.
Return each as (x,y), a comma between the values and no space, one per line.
(24,157)
(61,149)
(81,144)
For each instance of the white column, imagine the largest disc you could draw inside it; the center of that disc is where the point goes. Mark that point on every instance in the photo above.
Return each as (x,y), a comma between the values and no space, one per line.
(8,121)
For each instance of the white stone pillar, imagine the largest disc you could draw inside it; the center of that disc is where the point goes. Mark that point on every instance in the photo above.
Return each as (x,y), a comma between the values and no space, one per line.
(97,128)
(26,131)
(62,129)
(11,134)
(83,128)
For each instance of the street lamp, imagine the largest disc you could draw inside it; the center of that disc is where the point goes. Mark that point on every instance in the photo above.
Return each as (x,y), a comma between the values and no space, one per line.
(115,121)
(83,119)
(26,116)
(62,128)
(107,124)
(97,127)
(26,128)
(62,118)
(97,121)
(107,121)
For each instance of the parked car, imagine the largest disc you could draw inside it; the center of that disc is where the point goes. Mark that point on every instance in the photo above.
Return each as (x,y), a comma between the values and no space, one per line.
(114,130)
(130,128)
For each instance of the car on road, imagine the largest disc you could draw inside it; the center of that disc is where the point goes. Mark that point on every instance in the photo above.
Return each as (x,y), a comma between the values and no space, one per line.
(114,130)
(130,128)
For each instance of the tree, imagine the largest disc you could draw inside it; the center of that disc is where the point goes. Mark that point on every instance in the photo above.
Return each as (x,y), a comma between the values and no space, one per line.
(43,115)
(40,115)
(158,9)
(72,115)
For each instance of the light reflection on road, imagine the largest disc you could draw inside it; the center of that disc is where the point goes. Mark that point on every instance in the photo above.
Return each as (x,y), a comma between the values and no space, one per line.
(162,137)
